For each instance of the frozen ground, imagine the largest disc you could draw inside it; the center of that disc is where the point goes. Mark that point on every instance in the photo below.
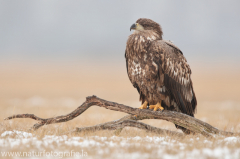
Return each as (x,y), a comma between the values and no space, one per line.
(116,147)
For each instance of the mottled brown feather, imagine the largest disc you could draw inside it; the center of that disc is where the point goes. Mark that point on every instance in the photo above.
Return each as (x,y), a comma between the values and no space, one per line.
(158,69)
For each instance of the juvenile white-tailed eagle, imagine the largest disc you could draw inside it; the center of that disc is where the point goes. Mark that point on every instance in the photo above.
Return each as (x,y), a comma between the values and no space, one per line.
(158,70)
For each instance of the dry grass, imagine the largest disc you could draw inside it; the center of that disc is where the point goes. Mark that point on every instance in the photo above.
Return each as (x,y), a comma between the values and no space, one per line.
(47,92)
(226,119)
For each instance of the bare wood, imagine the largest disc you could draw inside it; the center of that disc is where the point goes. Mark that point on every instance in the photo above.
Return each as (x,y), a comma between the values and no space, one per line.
(127,121)
(180,119)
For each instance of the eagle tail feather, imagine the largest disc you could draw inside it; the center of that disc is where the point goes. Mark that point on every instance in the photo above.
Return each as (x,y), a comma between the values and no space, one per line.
(176,90)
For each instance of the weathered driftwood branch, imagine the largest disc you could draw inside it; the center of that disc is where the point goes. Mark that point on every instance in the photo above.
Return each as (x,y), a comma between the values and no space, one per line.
(180,119)
(127,121)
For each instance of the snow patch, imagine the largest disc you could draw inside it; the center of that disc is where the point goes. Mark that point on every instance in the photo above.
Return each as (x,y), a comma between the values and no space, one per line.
(119,146)
(19,134)
(231,140)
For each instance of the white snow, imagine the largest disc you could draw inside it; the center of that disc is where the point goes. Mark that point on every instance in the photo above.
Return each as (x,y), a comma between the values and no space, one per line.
(18,133)
(230,140)
(117,147)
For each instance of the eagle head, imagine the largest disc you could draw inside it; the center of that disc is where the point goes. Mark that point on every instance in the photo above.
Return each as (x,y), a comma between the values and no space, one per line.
(147,24)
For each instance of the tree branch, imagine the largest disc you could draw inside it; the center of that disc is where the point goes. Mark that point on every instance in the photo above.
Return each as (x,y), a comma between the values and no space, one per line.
(180,119)
(127,121)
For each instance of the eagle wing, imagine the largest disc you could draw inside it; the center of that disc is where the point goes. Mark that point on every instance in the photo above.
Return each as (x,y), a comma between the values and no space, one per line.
(134,84)
(174,74)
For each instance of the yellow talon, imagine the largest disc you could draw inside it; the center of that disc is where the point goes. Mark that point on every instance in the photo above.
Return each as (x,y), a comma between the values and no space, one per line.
(144,105)
(156,107)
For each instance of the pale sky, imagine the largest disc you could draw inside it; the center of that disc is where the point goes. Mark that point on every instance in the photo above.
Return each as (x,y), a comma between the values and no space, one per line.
(68,30)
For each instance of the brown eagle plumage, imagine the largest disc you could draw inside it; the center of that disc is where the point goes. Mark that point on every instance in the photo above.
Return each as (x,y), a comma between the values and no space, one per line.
(158,70)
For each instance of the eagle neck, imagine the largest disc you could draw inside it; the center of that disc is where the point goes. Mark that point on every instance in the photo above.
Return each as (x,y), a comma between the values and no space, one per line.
(151,35)
(138,43)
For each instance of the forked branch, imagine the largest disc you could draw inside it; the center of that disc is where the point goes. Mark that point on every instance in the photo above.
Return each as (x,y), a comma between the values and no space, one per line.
(180,119)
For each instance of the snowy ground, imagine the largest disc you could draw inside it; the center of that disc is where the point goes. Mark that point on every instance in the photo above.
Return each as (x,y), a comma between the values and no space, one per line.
(137,147)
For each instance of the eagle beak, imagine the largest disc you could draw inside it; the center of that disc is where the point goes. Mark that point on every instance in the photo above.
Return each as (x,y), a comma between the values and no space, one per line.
(133,27)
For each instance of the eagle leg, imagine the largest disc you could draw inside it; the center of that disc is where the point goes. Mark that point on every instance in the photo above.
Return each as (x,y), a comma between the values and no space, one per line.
(144,105)
(156,107)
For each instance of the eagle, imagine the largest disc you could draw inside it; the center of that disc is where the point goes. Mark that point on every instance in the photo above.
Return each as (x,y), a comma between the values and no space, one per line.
(159,71)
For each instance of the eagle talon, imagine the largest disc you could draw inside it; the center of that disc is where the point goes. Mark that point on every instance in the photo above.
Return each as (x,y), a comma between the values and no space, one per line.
(156,107)
(144,105)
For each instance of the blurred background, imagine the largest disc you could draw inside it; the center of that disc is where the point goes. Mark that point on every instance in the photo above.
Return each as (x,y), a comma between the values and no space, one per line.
(55,53)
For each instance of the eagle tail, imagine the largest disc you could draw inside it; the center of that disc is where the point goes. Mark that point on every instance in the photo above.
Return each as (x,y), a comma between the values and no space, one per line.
(193,104)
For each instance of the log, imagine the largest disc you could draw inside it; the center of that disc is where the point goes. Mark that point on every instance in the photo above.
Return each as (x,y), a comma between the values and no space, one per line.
(186,121)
